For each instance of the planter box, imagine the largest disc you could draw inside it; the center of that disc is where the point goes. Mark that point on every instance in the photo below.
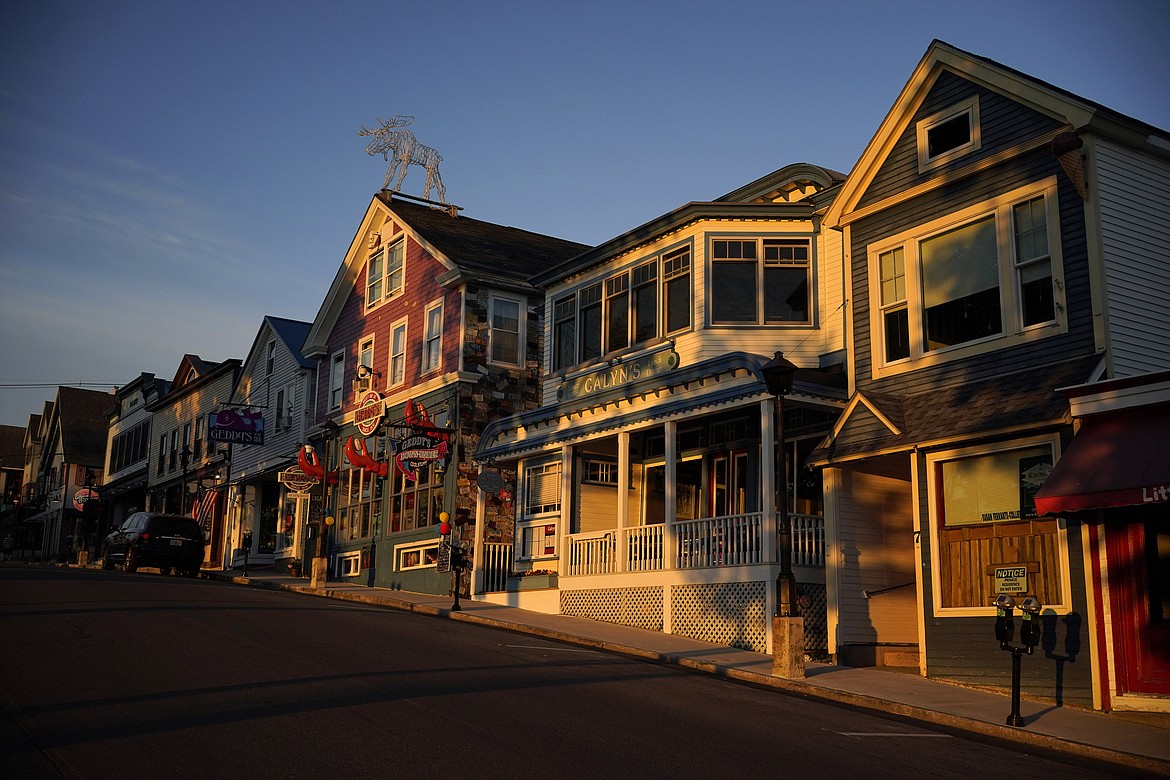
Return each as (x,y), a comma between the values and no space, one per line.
(536,582)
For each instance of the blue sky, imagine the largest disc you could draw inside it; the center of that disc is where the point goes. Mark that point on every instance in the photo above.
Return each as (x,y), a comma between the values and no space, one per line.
(172,172)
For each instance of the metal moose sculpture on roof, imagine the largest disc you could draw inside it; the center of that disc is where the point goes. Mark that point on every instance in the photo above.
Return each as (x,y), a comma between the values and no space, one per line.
(402,150)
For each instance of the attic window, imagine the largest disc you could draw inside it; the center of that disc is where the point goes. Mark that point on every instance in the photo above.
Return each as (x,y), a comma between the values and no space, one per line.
(948,134)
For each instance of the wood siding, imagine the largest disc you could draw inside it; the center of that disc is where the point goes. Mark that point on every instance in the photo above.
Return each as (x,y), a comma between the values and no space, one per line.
(876,552)
(1134,193)
(260,389)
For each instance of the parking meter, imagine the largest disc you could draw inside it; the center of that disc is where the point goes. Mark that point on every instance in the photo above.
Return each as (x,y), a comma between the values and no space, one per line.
(247,540)
(1005,625)
(1030,628)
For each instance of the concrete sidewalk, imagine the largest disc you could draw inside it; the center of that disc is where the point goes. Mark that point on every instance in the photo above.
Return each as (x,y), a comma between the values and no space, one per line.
(1136,742)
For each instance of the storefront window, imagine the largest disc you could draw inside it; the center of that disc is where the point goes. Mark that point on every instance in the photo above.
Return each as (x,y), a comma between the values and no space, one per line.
(415,503)
(359,503)
(985,517)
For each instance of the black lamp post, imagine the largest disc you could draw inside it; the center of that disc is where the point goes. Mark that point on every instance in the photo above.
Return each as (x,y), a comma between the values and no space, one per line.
(184,457)
(329,434)
(779,375)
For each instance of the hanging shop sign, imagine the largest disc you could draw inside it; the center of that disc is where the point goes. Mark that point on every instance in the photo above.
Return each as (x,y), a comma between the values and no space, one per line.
(417,450)
(83,495)
(370,410)
(242,427)
(490,482)
(296,480)
(614,377)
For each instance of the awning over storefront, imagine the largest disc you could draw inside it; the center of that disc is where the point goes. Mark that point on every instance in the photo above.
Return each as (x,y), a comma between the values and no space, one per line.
(1116,459)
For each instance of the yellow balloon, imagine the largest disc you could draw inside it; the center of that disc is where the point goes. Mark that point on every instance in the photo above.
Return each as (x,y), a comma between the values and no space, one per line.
(329,520)
(444,517)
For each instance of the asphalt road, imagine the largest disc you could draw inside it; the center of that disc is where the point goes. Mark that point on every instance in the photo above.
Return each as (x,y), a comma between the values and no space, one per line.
(108,674)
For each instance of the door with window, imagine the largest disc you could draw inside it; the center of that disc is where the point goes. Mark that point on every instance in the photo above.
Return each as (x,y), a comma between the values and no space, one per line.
(730,484)
(1139,588)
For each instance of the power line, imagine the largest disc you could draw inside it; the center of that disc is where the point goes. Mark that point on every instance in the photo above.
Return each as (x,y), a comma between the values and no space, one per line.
(34,385)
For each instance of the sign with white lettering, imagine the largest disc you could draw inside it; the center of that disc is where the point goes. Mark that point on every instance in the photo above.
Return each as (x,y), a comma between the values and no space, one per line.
(243,427)
(296,480)
(368,415)
(614,377)
(1011,579)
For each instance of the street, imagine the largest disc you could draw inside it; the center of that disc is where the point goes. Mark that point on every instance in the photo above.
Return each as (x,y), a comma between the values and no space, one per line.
(109,674)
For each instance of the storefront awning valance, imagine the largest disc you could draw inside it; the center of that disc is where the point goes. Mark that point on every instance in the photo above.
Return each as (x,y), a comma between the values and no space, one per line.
(1116,459)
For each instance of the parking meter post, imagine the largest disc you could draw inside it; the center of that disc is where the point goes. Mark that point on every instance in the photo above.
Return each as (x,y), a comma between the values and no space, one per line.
(457,569)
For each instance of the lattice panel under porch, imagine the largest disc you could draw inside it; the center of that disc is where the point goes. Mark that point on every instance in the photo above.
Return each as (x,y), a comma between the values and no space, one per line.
(816,631)
(723,613)
(637,607)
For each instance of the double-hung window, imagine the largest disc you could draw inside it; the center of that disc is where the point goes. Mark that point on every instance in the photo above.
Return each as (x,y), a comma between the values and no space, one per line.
(984,275)
(385,273)
(270,360)
(564,332)
(433,339)
(676,280)
(397,353)
(336,377)
(758,281)
(617,312)
(507,321)
(645,302)
(536,532)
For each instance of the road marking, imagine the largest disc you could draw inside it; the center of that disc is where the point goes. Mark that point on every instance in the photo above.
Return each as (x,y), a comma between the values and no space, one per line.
(889,734)
(561,649)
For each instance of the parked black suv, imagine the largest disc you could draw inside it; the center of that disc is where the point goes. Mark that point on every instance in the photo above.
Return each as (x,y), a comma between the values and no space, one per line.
(152,539)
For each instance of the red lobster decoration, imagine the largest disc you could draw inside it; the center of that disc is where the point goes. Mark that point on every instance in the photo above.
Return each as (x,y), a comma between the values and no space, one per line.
(359,455)
(310,464)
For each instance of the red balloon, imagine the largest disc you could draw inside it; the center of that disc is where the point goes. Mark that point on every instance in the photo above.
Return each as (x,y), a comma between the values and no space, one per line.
(444,528)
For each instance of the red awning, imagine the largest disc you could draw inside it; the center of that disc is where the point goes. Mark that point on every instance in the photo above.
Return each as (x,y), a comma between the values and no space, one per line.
(1116,459)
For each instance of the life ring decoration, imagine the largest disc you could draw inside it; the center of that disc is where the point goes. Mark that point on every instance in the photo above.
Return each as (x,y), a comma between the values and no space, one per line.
(359,455)
(310,464)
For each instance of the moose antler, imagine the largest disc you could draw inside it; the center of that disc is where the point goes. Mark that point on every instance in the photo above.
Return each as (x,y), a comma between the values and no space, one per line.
(400,120)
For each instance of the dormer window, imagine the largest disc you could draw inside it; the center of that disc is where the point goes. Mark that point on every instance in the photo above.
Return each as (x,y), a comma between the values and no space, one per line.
(948,134)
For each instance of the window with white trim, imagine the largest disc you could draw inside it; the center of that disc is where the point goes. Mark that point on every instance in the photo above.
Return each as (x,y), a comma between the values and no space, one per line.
(385,272)
(397,354)
(421,555)
(349,564)
(432,357)
(761,281)
(365,358)
(507,318)
(536,540)
(336,379)
(359,501)
(542,489)
(948,134)
(984,514)
(270,359)
(983,278)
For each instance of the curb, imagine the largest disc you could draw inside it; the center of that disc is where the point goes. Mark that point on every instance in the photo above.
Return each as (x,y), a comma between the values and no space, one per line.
(948,720)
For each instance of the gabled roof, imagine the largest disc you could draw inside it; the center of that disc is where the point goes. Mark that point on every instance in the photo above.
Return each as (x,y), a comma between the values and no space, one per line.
(292,333)
(466,247)
(11,447)
(1000,403)
(1078,113)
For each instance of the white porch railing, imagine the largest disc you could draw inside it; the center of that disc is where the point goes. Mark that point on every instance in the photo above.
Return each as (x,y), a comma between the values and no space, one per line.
(808,540)
(591,553)
(735,540)
(496,563)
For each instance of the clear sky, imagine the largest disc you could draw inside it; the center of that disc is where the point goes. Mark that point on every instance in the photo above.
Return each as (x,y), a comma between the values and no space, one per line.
(171,172)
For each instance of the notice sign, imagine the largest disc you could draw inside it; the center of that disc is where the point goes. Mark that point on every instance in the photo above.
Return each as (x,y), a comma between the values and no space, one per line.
(1011,579)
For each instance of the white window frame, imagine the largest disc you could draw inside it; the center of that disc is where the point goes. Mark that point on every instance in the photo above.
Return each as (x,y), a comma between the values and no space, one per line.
(336,379)
(970,107)
(934,498)
(763,265)
(396,368)
(270,358)
(529,531)
(521,304)
(349,564)
(391,277)
(1012,331)
(401,551)
(432,346)
(365,357)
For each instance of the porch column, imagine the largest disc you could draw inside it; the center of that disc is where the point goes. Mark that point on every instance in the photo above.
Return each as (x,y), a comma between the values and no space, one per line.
(623,501)
(670,478)
(566,508)
(477,549)
(768,478)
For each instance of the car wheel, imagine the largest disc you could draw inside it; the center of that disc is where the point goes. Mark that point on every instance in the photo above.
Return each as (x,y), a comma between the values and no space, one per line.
(107,562)
(164,570)
(131,559)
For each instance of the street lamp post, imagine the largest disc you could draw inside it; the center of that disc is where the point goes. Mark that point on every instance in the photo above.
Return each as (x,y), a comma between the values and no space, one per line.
(184,457)
(319,573)
(787,624)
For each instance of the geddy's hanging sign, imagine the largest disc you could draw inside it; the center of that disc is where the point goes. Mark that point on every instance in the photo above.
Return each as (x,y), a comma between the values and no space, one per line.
(242,427)
(417,450)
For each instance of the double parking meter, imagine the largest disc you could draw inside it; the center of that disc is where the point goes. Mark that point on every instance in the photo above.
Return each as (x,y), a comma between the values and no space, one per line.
(1005,629)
